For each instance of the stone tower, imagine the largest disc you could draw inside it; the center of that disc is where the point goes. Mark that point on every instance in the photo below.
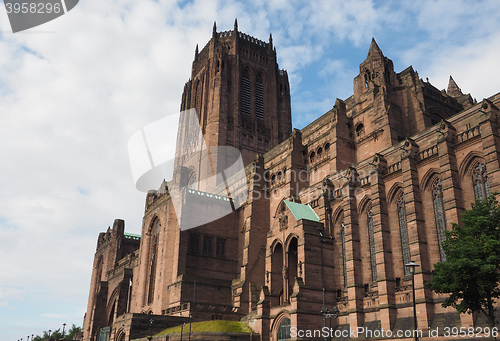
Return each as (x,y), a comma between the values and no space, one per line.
(241,97)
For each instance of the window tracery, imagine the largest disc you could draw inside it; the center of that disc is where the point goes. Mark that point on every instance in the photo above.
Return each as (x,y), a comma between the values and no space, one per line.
(403,231)
(439,214)
(245,93)
(371,239)
(259,98)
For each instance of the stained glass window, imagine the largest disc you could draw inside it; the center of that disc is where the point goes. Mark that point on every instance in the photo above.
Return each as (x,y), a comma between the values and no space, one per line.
(371,237)
(480,181)
(439,214)
(403,231)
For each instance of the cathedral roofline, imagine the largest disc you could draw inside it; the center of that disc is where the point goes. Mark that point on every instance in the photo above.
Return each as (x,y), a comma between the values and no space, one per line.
(239,34)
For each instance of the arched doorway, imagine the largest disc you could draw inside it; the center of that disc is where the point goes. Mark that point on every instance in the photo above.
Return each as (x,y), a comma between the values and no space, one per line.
(277,273)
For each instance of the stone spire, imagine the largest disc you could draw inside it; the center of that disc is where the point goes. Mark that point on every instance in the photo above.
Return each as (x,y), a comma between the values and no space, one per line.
(235,24)
(214,31)
(453,89)
(374,49)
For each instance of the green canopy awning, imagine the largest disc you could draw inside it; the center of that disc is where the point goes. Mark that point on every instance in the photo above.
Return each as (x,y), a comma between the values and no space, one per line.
(301,211)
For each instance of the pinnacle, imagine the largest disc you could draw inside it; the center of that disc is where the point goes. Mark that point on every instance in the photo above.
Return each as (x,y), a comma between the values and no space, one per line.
(374,49)
(453,89)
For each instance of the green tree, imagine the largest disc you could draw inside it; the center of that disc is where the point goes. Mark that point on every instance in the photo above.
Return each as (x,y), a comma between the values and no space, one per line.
(74,330)
(471,271)
(57,334)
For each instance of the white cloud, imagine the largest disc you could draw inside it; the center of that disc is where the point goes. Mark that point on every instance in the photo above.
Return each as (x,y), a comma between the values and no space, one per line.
(74,90)
(461,40)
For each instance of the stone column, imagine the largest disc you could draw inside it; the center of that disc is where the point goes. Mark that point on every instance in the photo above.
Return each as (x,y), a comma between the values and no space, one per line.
(416,232)
(383,251)
(491,143)
(353,255)
(452,192)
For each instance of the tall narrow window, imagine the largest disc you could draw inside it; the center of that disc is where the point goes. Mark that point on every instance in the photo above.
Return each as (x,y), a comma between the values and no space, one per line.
(403,232)
(371,239)
(191,180)
(220,250)
(437,200)
(198,97)
(284,332)
(480,181)
(344,256)
(208,242)
(259,98)
(194,243)
(245,93)
(153,260)
(276,273)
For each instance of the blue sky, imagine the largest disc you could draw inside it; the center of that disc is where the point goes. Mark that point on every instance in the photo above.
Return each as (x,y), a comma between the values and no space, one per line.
(74,90)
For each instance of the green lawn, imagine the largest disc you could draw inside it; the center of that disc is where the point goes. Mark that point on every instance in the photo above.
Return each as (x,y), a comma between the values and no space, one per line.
(211,326)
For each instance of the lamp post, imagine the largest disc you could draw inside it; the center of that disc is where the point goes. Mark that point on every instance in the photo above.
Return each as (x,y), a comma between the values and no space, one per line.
(182,329)
(50,333)
(191,310)
(411,266)
(327,314)
(64,326)
(150,337)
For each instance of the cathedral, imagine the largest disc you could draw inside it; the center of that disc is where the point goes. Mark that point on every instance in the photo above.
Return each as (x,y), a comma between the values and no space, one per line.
(316,220)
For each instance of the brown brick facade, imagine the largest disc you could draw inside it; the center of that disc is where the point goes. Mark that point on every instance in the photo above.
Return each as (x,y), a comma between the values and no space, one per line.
(386,171)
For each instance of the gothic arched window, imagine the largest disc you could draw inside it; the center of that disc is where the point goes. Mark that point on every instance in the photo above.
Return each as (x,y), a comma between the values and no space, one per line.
(191,179)
(284,330)
(198,97)
(480,182)
(155,231)
(439,214)
(245,92)
(259,97)
(360,128)
(403,232)
(371,240)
